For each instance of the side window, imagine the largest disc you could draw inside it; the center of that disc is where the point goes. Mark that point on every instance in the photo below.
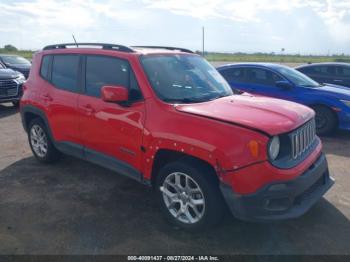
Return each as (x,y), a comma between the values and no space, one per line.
(44,70)
(65,72)
(103,70)
(324,70)
(262,76)
(233,74)
(343,71)
(307,70)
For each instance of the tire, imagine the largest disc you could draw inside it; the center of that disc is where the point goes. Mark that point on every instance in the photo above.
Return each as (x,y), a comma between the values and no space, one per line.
(40,142)
(15,103)
(326,121)
(205,189)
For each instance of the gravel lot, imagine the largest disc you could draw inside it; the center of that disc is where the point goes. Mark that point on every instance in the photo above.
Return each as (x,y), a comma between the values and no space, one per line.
(74,207)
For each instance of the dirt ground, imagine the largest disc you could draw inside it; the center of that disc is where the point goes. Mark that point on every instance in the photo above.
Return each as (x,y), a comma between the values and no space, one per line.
(74,207)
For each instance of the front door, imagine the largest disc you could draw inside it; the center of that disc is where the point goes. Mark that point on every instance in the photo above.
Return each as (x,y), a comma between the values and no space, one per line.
(112,133)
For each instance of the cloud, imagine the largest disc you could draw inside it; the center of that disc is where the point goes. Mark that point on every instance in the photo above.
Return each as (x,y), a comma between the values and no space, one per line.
(259,24)
(334,13)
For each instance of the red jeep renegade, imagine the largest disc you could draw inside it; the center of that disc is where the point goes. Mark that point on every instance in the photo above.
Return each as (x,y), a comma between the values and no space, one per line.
(166,118)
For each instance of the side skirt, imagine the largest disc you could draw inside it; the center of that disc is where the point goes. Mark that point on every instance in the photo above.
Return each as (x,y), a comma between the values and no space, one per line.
(100,159)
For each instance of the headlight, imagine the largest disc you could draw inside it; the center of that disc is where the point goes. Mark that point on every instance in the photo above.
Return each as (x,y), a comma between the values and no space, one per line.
(274,148)
(20,79)
(346,102)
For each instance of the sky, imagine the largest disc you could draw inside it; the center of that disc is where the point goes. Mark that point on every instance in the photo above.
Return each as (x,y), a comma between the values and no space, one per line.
(298,26)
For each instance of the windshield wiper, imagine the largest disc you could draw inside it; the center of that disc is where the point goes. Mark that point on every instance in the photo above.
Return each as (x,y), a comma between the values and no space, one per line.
(184,100)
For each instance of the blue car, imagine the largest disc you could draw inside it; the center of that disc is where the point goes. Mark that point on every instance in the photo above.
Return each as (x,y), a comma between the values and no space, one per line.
(331,103)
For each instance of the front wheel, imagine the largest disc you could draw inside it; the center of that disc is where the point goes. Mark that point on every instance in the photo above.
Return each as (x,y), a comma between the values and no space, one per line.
(189,195)
(326,121)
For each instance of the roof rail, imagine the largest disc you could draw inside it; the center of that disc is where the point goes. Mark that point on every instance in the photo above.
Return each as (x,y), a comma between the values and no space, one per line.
(166,47)
(121,48)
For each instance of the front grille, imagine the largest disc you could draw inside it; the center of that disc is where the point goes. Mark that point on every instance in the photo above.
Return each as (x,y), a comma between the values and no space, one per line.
(8,88)
(303,138)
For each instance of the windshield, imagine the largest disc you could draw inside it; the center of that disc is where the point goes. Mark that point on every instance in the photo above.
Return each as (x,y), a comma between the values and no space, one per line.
(296,77)
(184,78)
(15,60)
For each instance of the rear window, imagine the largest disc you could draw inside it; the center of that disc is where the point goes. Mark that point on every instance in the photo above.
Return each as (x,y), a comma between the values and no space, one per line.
(65,72)
(343,71)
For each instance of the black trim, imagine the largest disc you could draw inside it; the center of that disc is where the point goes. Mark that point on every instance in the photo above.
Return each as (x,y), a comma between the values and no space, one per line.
(114,47)
(113,164)
(282,200)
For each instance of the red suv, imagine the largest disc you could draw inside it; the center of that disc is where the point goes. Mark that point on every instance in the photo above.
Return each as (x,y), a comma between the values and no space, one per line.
(166,118)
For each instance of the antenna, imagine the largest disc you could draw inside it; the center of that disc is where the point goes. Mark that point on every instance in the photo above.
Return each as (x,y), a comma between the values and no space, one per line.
(75,41)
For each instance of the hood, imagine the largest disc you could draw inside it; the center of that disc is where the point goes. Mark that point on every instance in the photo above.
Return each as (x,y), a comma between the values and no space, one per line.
(339,92)
(8,74)
(269,115)
(19,66)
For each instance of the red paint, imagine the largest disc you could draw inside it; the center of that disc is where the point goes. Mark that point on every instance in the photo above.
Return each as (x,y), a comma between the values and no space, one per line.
(114,94)
(219,132)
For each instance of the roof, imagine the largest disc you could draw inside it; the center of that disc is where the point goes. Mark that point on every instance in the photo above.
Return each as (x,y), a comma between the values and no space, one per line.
(324,64)
(266,65)
(118,48)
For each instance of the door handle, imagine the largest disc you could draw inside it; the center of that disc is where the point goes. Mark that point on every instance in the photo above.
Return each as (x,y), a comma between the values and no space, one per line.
(338,80)
(47,98)
(89,109)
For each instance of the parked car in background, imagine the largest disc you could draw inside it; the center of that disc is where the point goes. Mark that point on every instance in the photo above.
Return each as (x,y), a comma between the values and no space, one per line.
(331,104)
(328,73)
(16,63)
(166,118)
(10,85)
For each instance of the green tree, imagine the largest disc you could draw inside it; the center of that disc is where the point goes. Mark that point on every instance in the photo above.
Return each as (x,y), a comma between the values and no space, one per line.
(10,48)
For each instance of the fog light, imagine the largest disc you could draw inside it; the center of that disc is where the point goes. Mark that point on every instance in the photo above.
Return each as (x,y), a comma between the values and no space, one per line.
(278,204)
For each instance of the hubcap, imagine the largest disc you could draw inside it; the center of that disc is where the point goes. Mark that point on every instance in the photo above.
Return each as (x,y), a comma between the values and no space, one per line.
(38,140)
(183,197)
(321,121)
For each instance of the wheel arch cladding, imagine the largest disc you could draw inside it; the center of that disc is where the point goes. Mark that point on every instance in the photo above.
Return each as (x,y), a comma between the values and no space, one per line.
(165,156)
(328,107)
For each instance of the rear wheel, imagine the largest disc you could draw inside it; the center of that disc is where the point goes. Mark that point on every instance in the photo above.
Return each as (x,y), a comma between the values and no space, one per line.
(326,121)
(189,195)
(40,143)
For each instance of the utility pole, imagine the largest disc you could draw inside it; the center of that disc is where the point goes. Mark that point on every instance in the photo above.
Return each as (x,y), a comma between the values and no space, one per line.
(203,41)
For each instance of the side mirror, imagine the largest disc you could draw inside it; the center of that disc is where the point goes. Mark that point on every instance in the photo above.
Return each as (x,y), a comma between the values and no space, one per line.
(117,94)
(284,85)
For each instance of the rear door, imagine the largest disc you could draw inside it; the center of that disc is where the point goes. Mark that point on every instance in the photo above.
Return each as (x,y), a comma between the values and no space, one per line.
(59,95)
(111,132)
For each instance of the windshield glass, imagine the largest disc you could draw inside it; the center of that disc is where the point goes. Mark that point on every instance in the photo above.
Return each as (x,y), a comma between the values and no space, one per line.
(184,78)
(15,60)
(296,77)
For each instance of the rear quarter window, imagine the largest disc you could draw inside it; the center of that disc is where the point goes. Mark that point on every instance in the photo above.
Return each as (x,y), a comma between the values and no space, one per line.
(44,69)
